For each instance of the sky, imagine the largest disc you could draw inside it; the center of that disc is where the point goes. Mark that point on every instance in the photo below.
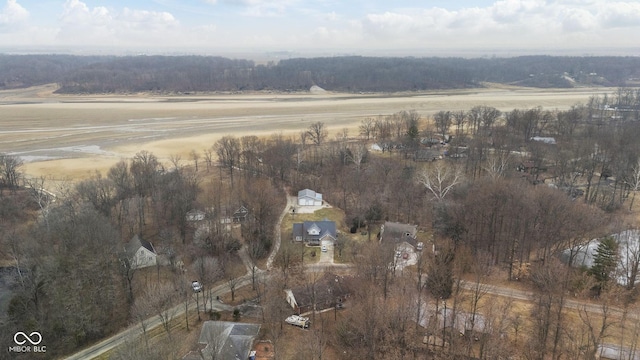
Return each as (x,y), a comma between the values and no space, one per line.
(407,27)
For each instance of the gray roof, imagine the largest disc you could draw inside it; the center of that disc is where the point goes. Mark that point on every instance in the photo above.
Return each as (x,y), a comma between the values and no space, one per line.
(229,340)
(324,292)
(135,243)
(398,233)
(309,194)
(324,227)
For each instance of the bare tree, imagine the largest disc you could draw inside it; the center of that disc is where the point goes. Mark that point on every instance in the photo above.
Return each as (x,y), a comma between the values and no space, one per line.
(367,126)
(439,179)
(443,122)
(497,163)
(141,311)
(144,171)
(233,271)
(228,150)
(209,271)
(10,174)
(357,154)
(598,327)
(633,181)
(208,157)
(317,132)
(160,297)
(286,259)
(175,160)
(551,280)
(195,156)
(459,119)
(41,196)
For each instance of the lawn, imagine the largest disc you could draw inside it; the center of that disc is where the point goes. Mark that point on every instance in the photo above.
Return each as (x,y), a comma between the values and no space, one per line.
(311,254)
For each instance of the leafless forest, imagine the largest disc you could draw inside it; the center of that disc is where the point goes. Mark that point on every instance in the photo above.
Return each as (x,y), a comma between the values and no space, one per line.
(171,74)
(496,195)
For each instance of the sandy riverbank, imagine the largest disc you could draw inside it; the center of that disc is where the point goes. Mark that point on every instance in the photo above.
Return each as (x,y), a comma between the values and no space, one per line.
(67,136)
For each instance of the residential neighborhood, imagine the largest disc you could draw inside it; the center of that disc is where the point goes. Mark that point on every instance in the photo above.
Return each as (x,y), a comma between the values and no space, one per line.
(523,248)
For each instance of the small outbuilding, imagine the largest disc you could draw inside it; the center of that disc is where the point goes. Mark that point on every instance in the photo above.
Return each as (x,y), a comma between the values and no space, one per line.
(309,197)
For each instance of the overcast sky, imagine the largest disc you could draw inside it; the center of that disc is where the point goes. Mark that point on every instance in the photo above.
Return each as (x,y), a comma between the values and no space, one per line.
(322,26)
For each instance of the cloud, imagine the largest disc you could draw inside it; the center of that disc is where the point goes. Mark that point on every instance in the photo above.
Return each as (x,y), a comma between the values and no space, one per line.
(578,20)
(13,13)
(620,14)
(329,24)
(258,8)
(80,24)
(504,23)
(78,13)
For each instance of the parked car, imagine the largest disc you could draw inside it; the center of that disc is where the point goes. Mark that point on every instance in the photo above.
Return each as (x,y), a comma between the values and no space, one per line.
(324,248)
(196,286)
(420,246)
(398,254)
(405,256)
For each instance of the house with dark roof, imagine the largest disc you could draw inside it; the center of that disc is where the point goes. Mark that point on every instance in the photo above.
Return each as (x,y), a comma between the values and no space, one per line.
(398,233)
(329,291)
(140,253)
(309,197)
(225,340)
(313,232)
(240,215)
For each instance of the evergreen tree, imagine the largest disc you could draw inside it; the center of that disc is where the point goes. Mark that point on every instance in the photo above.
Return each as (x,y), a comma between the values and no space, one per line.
(605,261)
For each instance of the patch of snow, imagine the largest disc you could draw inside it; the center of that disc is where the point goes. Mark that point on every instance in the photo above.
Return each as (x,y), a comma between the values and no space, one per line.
(317,89)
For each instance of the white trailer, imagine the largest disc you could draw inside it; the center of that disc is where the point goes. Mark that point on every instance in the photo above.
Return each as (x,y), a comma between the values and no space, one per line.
(297,320)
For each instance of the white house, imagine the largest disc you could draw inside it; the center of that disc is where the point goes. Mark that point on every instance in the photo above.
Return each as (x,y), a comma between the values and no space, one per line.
(308,197)
(140,253)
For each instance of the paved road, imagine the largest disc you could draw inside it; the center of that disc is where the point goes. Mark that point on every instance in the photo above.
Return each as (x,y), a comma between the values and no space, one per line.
(153,322)
(528,296)
(135,330)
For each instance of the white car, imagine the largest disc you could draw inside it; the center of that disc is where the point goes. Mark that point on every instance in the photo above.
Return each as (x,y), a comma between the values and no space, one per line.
(196,286)
(324,248)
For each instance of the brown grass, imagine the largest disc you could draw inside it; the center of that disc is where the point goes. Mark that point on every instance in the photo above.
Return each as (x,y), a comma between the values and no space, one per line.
(122,125)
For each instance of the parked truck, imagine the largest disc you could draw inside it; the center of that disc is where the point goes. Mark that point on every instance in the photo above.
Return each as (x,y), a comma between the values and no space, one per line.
(297,320)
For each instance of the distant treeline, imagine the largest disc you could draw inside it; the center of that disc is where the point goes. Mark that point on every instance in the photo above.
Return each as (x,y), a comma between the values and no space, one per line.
(110,74)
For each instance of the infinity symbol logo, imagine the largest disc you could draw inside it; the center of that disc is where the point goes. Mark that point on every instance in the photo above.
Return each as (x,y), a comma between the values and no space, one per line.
(34,338)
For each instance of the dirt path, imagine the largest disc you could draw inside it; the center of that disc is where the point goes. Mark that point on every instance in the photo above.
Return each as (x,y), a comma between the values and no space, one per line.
(291,201)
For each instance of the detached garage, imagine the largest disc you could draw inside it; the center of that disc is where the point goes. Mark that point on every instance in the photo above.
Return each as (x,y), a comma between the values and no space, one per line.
(308,197)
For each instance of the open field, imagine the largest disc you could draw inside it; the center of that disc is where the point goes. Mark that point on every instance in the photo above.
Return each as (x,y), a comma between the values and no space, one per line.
(65,136)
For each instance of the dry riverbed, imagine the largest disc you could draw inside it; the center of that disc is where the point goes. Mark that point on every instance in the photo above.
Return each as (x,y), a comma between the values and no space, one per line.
(71,136)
